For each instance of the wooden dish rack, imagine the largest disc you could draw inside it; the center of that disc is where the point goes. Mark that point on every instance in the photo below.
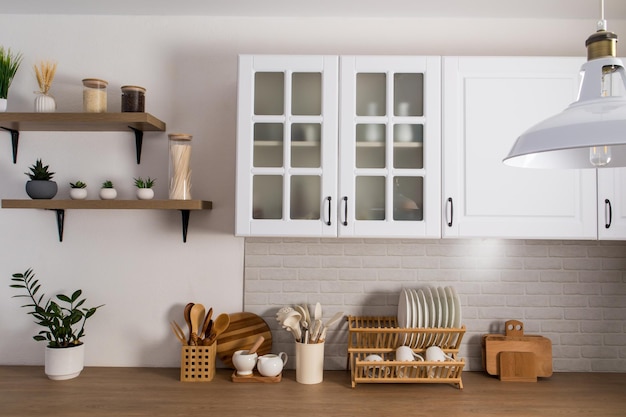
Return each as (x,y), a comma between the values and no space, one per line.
(381,336)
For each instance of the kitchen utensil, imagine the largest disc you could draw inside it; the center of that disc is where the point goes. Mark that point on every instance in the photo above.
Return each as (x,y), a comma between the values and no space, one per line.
(220,324)
(186,313)
(292,323)
(241,333)
(514,340)
(178,332)
(334,319)
(317,329)
(317,312)
(205,325)
(196,315)
(256,345)
(307,314)
(303,314)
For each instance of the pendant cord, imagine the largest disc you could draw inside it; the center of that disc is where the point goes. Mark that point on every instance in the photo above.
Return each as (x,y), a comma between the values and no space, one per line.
(601,25)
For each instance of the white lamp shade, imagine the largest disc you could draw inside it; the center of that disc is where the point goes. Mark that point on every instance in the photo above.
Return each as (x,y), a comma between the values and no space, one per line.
(563,141)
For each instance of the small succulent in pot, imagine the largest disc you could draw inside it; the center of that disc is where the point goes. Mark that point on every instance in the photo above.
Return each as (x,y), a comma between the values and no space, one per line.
(144,188)
(40,185)
(108,192)
(78,190)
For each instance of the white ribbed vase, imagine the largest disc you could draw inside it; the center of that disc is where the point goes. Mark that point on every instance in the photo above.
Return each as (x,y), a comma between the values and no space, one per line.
(45,103)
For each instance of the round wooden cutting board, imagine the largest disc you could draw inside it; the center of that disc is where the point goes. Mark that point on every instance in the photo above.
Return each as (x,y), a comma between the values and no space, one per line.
(242,332)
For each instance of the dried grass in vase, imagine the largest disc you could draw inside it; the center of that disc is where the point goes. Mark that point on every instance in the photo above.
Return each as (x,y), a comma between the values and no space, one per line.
(45,74)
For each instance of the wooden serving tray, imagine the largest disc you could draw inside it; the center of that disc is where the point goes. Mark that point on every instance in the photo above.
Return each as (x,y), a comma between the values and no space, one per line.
(256,378)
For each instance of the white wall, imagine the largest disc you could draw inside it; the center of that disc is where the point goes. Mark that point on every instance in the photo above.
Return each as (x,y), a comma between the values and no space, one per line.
(135,262)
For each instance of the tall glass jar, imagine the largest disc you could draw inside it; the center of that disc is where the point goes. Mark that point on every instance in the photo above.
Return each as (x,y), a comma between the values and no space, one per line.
(180,166)
(94,95)
(133,98)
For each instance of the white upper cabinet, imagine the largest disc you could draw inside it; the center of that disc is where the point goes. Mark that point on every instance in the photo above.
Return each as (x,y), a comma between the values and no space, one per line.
(488,103)
(339,146)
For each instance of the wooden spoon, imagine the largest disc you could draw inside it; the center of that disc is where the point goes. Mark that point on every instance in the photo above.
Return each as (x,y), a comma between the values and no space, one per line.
(256,345)
(205,325)
(186,313)
(196,315)
(220,324)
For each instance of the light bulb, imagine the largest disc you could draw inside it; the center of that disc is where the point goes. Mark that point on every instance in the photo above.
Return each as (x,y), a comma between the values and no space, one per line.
(600,156)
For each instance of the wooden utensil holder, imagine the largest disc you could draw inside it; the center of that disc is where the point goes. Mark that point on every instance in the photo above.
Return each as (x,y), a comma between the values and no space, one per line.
(381,336)
(197,363)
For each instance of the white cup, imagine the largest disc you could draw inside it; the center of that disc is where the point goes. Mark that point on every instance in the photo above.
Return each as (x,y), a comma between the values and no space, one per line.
(406,354)
(244,362)
(373,371)
(271,364)
(436,354)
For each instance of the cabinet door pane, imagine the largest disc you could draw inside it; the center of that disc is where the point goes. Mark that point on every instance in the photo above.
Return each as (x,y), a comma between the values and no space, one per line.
(408,198)
(268,144)
(408,146)
(269,93)
(267,197)
(370,94)
(306,97)
(306,149)
(305,197)
(408,91)
(370,198)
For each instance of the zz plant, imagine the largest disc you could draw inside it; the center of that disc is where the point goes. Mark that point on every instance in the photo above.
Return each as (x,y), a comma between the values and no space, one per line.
(63,319)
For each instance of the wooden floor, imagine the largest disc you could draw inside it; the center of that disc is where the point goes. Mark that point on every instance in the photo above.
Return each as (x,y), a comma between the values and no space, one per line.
(127,392)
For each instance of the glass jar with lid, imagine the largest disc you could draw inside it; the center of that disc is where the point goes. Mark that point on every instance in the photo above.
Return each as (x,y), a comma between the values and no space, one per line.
(180,166)
(133,98)
(94,95)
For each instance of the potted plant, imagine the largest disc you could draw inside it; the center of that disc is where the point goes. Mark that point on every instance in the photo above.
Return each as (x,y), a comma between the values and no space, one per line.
(44,72)
(108,192)
(9,63)
(40,185)
(63,320)
(144,188)
(78,190)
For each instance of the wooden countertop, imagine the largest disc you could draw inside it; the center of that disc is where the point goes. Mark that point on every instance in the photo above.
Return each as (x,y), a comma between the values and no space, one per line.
(128,392)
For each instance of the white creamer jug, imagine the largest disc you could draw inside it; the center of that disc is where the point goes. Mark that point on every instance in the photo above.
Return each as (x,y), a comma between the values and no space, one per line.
(271,364)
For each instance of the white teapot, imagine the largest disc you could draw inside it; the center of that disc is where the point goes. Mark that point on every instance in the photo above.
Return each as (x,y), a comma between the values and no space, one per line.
(271,364)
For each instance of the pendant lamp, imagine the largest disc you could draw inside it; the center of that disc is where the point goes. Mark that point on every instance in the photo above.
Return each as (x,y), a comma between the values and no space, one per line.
(591,132)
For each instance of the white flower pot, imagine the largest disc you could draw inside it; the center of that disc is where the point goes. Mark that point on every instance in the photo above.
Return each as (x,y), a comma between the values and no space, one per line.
(145,193)
(64,363)
(3,104)
(78,193)
(45,103)
(108,193)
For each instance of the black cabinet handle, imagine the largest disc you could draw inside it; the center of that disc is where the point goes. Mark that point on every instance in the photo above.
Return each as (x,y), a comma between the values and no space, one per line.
(451,205)
(345,211)
(607,205)
(328,222)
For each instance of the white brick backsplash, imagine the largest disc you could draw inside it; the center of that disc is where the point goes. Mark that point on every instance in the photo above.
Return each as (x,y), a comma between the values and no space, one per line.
(573,292)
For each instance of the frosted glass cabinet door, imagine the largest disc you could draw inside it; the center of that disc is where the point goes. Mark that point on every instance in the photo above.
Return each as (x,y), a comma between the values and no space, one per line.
(286,146)
(390,146)
(488,103)
(612,203)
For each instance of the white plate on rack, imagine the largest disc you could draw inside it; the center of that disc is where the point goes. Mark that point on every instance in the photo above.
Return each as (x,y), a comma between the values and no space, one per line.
(444,307)
(456,323)
(404,309)
(451,309)
(437,303)
(414,314)
(425,318)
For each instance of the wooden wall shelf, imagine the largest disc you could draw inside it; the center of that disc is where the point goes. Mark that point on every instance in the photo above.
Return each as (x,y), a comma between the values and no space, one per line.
(80,122)
(59,206)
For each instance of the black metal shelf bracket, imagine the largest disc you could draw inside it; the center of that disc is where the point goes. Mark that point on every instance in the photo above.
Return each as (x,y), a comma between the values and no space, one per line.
(138,142)
(185,217)
(15,138)
(60,214)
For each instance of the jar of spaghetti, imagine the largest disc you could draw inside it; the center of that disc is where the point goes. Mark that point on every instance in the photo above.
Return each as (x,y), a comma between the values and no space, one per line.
(180,166)
(133,98)
(94,95)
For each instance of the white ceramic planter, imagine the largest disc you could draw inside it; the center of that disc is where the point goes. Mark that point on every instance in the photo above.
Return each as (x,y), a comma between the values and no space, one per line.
(64,363)
(3,104)
(78,193)
(45,104)
(108,193)
(145,193)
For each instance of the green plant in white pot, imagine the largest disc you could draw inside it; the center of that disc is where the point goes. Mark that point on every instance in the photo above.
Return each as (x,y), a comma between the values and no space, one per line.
(78,190)
(108,191)
(63,320)
(9,63)
(40,185)
(144,188)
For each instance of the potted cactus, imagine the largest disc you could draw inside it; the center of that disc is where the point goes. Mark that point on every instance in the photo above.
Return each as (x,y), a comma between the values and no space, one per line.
(40,185)
(63,319)
(108,192)
(144,188)
(78,190)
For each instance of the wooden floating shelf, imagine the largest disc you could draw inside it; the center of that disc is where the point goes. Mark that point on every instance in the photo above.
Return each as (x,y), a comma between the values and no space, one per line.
(80,122)
(59,206)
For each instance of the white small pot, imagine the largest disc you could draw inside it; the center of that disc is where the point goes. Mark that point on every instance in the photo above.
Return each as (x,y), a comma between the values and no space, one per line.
(3,104)
(78,193)
(108,193)
(145,193)
(44,103)
(64,363)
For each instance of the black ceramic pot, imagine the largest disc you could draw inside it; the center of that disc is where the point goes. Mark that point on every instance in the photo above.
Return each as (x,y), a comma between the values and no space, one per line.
(37,189)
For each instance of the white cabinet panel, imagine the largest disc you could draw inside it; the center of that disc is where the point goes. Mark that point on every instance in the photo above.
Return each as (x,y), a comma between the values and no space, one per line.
(488,102)
(612,203)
